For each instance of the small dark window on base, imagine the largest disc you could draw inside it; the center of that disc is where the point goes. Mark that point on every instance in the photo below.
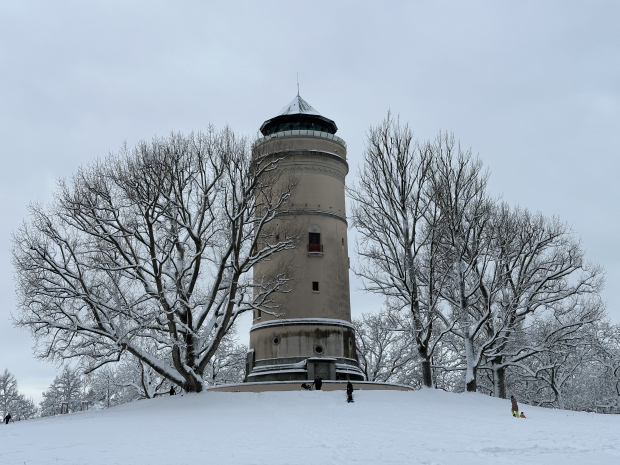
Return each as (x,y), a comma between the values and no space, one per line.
(315,286)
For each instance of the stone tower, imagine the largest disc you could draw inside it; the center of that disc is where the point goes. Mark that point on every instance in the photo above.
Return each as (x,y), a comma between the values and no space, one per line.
(313,336)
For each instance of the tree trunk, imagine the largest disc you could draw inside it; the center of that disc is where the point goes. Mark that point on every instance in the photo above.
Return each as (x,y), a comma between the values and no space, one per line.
(192,384)
(558,394)
(427,374)
(470,376)
(499,379)
(501,382)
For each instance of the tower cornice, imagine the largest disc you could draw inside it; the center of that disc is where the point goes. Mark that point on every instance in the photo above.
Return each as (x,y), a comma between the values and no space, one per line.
(313,211)
(303,321)
(301,133)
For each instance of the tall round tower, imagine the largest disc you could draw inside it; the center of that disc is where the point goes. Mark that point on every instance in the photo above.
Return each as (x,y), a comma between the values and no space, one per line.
(313,335)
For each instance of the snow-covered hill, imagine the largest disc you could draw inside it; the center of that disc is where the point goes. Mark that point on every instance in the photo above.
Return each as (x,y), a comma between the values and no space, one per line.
(420,427)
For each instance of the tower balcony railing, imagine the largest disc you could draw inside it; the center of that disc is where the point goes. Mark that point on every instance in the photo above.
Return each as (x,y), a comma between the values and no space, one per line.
(301,132)
(315,249)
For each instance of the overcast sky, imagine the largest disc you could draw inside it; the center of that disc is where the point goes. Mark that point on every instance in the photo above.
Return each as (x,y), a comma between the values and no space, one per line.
(532,87)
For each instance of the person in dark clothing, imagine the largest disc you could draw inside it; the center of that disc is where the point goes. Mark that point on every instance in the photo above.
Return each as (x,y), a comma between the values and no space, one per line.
(318,382)
(7,418)
(172,391)
(514,407)
(349,392)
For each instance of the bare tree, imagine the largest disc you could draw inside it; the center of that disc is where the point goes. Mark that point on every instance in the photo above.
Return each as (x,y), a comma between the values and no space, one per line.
(8,393)
(68,387)
(140,381)
(465,239)
(434,243)
(102,387)
(384,347)
(149,253)
(12,401)
(388,209)
(542,273)
(228,364)
(24,409)
(607,357)
(124,381)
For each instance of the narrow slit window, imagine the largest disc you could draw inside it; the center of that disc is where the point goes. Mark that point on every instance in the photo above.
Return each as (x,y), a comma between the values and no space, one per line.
(315,286)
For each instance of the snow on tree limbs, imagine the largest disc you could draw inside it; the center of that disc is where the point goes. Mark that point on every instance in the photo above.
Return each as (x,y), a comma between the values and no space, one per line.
(476,277)
(12,401)
(148,253)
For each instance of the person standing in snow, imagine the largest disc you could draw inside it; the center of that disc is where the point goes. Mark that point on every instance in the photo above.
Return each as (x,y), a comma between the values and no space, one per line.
(7,418)
(514,407)
(318,382)
(349,392)
(172,391)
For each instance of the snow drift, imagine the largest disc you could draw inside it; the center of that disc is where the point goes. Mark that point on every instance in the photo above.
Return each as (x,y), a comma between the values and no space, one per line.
(419,427)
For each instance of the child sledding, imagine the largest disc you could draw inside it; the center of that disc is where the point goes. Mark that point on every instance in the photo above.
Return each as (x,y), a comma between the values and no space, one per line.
(316,384)
(514,408)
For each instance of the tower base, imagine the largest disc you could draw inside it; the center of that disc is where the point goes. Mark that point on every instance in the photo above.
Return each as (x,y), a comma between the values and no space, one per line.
(303,369)
(296,386)
(301,349)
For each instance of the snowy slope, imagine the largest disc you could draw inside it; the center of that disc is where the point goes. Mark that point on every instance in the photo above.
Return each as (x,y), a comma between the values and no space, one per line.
(420,427)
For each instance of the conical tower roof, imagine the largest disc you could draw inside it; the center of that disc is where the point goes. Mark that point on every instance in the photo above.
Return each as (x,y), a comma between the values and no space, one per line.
(299,106)
(298,115)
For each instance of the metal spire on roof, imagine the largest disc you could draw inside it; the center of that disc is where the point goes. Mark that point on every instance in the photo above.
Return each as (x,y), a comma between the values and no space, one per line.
(298,84)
